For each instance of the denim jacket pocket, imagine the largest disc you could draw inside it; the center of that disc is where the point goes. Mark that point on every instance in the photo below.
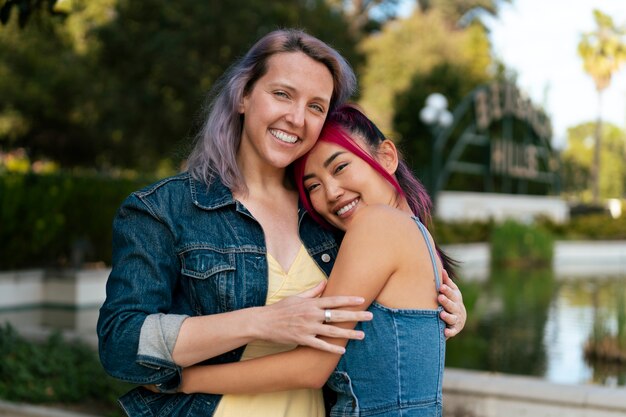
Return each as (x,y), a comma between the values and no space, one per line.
(212,275)
(347,403)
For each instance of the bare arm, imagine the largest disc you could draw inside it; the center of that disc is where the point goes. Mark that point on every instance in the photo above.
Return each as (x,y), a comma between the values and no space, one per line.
(294,320)
(367,258)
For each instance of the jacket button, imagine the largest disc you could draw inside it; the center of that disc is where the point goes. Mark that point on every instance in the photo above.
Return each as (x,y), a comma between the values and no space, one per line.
(326,258)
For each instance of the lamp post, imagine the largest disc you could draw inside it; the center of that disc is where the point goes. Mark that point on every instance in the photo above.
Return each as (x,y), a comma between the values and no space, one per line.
(437,117)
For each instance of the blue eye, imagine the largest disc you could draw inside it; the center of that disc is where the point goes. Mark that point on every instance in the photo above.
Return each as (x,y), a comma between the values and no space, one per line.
(281,94)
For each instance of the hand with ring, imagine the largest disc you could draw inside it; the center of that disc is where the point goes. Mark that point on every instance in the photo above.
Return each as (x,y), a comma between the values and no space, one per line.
(327,316)
(300,319)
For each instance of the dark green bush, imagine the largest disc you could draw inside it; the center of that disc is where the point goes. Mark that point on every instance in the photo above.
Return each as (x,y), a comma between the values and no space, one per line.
(519,245)
(46,220)
(447,233)
(588,227)
(54,371)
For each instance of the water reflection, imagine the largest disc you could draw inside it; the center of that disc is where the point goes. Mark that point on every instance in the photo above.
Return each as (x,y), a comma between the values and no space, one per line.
(529,323)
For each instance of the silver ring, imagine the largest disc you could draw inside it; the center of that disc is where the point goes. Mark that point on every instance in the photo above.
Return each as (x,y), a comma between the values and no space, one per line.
(327,316)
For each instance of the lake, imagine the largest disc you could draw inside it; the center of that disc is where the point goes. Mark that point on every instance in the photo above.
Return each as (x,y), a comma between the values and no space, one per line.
(530,323)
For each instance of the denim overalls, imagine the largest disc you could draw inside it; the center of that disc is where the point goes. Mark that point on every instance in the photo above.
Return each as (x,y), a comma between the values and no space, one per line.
(182,248)
(397,370)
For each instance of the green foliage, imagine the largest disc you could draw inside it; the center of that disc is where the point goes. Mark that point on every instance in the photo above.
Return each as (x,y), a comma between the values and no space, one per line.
(607,341)
(577,161)
(447,233)
(24,9)
(582,227)
(518,245)
(456,11)
(587,227)
(417,48)
(506,322)
(597,227)
(48,219)
(120,83)
(604,50)
(54,371)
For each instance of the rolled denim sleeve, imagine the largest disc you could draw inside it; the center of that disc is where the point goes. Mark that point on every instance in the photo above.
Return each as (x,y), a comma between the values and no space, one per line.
(158,335)
(139,322)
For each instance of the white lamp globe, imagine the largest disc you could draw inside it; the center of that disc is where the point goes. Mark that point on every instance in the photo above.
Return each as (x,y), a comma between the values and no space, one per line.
(437,101)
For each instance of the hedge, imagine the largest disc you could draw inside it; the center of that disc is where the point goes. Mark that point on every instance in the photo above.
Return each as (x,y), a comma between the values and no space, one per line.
(60,219)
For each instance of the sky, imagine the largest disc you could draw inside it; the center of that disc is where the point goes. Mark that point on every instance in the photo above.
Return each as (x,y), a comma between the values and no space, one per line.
(539,39)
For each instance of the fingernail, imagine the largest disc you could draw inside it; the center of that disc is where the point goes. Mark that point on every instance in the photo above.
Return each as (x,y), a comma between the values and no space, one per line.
(360,299)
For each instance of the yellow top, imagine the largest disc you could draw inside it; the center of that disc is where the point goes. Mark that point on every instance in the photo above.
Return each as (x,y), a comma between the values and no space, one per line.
(302,275)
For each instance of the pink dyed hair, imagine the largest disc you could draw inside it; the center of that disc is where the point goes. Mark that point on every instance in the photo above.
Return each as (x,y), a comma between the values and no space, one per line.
(341,125)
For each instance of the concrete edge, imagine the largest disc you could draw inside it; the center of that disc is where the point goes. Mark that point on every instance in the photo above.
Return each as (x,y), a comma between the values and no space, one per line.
(535,390)
(28,410)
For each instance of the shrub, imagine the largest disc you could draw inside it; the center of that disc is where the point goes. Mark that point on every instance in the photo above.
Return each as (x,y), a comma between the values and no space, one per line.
(447,233)
(47,220)
(518,245)
(54,371)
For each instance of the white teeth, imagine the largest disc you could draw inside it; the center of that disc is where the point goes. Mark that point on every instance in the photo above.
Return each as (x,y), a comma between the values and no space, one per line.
(346,208)
(284,136)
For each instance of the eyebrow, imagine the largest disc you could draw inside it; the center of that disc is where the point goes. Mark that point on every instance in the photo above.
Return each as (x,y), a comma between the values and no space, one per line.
(327,162)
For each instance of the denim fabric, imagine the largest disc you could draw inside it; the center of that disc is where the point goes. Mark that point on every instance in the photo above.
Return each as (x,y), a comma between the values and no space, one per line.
(182,248)
(397,370)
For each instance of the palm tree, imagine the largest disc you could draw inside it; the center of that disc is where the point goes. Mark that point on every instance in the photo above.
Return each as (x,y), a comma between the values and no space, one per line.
(603,52)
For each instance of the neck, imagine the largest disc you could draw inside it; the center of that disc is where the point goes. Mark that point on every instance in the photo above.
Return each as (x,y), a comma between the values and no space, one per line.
(263,179)
(402,204)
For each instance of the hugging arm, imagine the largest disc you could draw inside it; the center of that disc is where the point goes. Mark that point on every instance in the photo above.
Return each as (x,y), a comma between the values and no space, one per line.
(365,262)
(146,335)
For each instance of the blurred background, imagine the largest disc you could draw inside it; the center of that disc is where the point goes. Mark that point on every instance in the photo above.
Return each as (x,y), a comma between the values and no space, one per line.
(512,112)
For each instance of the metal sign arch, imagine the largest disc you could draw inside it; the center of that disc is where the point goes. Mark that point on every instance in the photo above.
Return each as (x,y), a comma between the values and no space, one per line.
(498,135)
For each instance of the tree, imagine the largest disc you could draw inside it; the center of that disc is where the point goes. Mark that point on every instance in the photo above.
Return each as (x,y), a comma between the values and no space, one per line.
(159,60)
(461,12)
(120,83)
(411,58)
(577,161)
(26,8)
(358,13)
(603,52)
(43,85)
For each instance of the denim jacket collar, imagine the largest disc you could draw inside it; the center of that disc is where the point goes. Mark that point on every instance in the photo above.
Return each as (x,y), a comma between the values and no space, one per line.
(212,196)
(217,195)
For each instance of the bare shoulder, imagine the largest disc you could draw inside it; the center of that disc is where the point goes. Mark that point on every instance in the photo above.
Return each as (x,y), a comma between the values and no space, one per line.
(380,222)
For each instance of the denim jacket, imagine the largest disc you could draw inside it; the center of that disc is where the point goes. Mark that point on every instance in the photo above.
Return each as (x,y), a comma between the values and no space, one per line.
(182,248)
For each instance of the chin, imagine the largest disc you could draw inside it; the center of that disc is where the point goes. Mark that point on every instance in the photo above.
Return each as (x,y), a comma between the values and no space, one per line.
(341,226)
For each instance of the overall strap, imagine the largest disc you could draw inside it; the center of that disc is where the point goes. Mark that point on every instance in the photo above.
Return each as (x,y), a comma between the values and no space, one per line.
(430,251)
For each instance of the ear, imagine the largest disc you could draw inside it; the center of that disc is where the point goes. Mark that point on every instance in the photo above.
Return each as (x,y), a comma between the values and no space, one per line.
(388,156)
(241,107)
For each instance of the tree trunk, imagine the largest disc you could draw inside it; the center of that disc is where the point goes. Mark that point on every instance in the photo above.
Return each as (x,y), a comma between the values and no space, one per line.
(595,168)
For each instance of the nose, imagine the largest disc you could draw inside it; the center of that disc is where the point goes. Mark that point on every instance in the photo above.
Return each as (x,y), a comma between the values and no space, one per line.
(333,191)
(295,115)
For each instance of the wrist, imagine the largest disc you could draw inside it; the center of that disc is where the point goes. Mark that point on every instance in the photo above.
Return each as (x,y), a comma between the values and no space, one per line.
(255,323)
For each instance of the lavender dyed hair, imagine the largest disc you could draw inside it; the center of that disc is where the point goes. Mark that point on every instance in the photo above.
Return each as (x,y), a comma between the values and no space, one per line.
(341,126)
(215,151)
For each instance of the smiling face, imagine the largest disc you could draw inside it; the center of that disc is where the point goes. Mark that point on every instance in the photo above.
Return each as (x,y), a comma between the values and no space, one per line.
(339,183)
(285,110)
